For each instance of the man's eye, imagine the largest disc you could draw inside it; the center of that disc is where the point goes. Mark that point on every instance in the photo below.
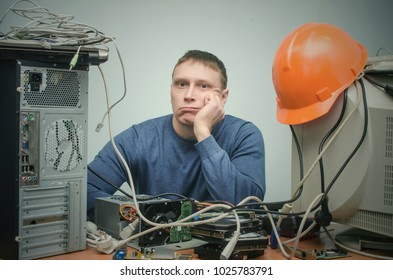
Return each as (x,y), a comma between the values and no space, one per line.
(181,84)
(204,86)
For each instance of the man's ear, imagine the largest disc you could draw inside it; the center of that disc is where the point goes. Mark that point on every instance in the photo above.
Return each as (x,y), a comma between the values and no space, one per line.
(224,95)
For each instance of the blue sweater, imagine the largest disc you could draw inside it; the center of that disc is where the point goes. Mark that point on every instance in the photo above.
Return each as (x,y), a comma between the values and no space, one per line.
(227,166)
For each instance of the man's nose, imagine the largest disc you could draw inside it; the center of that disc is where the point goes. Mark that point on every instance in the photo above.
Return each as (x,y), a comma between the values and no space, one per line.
(190,93)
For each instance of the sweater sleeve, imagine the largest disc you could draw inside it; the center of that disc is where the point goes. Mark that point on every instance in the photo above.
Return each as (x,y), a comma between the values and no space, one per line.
(235,176)
(106,170)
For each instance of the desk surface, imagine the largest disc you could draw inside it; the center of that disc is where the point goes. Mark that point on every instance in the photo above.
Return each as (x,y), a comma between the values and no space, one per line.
(319,242)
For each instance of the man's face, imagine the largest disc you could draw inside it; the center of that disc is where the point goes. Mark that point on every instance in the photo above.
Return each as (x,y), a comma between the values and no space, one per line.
(191,83)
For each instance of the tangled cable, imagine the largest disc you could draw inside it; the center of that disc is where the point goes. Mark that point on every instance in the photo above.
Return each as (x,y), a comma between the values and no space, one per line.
(51,29)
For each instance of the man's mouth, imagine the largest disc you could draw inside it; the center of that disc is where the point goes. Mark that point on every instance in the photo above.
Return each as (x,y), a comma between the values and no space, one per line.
(189,109)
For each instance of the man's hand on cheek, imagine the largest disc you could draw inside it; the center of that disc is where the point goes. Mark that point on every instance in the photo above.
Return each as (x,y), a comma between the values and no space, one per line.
(209,115)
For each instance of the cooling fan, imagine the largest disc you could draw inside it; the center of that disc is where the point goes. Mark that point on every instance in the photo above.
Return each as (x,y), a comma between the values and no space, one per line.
(64,145)
(163,213)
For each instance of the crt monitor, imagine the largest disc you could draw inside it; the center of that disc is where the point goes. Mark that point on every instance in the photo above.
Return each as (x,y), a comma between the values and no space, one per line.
(362,195)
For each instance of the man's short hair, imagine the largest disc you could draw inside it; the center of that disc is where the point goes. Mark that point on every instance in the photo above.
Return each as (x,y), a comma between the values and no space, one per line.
(207,59)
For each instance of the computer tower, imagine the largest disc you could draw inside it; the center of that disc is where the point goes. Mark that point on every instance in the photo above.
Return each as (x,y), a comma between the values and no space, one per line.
(43,154)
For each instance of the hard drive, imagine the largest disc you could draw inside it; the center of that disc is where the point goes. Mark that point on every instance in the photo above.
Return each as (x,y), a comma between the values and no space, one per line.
(225,227)
(249,245)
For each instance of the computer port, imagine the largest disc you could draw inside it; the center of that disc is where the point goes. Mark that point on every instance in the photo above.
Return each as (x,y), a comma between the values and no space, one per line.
(35,80)
(25,159)
(35,77)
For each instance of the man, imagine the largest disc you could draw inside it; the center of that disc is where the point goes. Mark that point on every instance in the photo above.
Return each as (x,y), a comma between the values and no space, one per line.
(197,151)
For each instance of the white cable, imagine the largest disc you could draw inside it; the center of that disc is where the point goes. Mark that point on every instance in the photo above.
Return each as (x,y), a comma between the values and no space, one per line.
(61,28)
(270,217)
(274,228)
(298,235)
(101,124)
(306,231)
(183,222)
(12,6)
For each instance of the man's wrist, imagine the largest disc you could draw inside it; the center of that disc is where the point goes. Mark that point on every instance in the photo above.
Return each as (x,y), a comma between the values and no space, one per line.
(201,133)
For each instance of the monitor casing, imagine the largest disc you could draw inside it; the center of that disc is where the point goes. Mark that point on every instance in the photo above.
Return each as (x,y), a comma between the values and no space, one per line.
(362,196)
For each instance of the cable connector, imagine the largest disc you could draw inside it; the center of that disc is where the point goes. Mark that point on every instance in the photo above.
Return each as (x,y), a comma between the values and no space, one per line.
(286,208)
(91,228)
(99,126)
(73,62)
(74,59)
(323,217)
(389,90)
(274,238)
(226,253)
(107,245)
(129,229)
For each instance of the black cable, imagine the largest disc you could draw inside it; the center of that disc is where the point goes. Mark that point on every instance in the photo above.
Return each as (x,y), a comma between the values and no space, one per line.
(357,147)
(168,194)
(108,182)
(279,204)
(327,136)
(323,217)
(149,197)
(354,151)
(301,163)
(386,87)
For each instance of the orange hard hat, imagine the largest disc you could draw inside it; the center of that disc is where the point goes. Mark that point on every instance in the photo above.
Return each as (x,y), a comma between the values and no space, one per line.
(313,65)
